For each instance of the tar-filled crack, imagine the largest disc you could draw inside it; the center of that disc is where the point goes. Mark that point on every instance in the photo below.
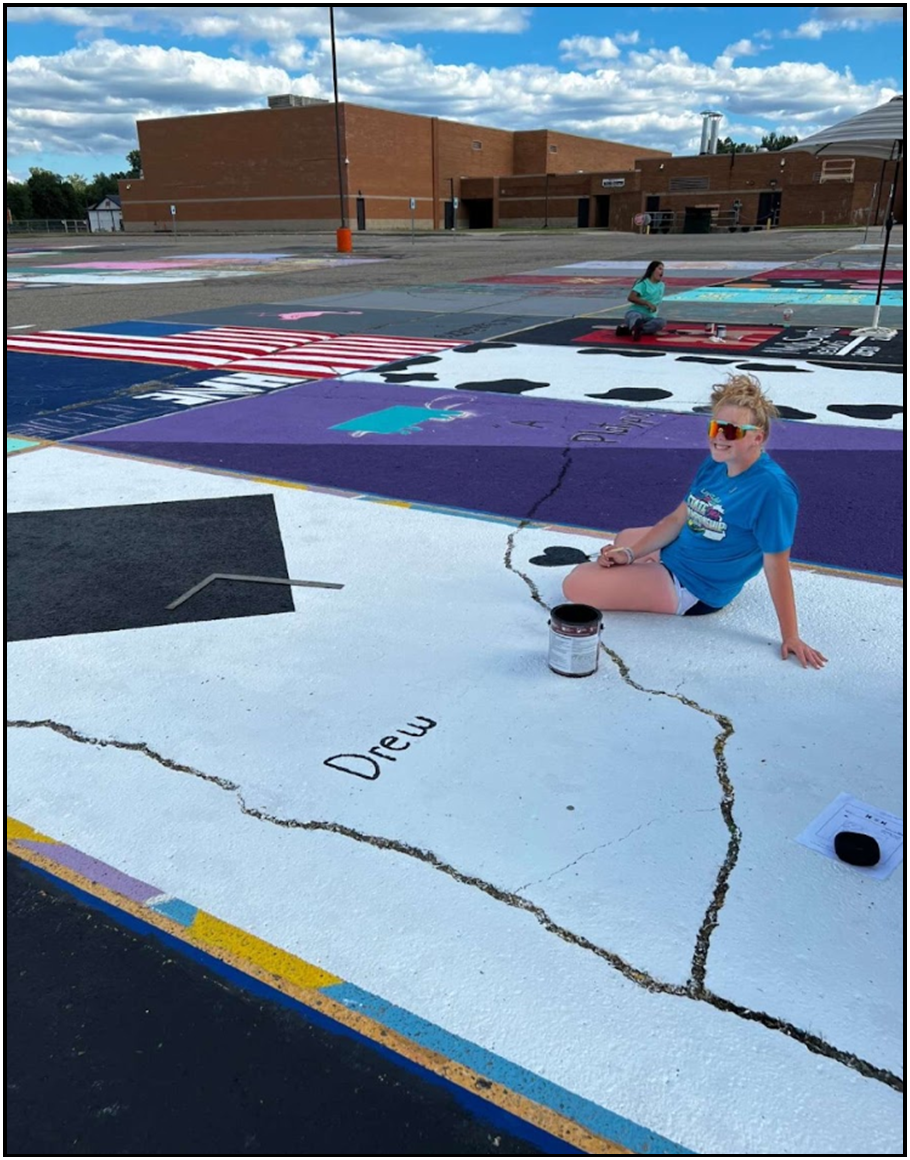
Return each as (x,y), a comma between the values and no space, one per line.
(695,987)
(508,898)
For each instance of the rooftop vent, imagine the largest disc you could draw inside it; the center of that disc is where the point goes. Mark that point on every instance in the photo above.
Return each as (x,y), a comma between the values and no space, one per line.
(293,101)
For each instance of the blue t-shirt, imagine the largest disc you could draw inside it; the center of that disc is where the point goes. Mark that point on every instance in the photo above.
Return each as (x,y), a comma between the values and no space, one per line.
(731,523)
(652,292)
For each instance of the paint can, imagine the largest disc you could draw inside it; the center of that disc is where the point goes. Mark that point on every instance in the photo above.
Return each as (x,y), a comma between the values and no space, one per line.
(721,331)
(709,329)
(574,640)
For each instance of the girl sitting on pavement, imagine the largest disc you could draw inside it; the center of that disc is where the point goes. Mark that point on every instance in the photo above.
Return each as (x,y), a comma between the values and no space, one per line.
(645,296)
(738,519)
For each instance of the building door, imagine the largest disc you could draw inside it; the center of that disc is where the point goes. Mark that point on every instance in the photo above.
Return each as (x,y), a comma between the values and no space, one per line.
(769,208)
(361,212)
(602,210)
(449,216)
(479,211)
(584,212)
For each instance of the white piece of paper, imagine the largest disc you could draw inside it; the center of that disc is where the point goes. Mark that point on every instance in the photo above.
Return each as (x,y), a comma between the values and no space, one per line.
(849,813)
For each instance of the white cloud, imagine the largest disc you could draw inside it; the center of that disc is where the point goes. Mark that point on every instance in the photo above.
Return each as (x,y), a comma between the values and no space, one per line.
(274,23)
(627,37)
(854,18)
(743,48)
(868,13)
(84,103)
(587,51)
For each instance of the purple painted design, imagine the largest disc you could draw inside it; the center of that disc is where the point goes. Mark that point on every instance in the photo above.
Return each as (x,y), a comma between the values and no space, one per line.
(306,415)
(505,455)
(94,870)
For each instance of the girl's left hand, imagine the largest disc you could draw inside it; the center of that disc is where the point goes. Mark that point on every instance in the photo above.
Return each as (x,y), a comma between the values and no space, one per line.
(807,657)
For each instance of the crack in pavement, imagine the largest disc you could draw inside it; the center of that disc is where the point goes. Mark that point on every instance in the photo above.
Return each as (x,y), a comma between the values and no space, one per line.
(587,854)
(696,987)
(603,846)
(698,970)
(641,978)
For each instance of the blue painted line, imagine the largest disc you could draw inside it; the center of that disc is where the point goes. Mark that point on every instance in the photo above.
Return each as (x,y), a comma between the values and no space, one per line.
(177,909)
(517,1079)
(476,1106)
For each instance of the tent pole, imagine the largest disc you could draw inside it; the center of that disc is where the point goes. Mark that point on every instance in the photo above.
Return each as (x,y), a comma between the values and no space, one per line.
(874,331)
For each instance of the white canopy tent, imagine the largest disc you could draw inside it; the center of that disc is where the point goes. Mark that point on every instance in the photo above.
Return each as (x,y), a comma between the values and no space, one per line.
(878,132)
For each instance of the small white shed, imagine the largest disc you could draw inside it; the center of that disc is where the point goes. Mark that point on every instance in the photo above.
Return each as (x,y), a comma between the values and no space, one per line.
(106,216)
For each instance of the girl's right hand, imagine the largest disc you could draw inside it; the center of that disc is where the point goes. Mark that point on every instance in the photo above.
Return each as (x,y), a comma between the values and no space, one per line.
(611,556)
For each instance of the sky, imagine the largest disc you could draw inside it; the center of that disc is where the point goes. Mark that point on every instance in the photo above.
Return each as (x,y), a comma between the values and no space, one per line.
(79,78)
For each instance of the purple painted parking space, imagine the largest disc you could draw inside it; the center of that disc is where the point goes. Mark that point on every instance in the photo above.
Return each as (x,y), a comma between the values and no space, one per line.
(570,463)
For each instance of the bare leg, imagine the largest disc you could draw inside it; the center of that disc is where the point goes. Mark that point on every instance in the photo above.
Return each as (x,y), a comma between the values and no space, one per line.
(644,586)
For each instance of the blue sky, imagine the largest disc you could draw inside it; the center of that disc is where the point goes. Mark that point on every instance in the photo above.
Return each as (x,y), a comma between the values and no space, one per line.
(78,78)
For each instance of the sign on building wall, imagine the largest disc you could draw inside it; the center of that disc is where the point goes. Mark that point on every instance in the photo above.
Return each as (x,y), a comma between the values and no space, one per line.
(613,182)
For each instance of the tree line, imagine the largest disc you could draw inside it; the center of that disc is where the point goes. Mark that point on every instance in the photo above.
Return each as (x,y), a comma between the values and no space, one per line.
(773,142)
(48,195)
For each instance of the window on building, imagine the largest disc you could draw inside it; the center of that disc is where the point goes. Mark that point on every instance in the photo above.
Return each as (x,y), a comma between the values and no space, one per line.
(477,144)
(554,148)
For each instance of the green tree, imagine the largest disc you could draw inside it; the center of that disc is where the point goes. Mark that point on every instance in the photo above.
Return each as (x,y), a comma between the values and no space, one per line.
(104,185)
(18,200)
(134,161)
(730,146)
(774,142)
(51,196)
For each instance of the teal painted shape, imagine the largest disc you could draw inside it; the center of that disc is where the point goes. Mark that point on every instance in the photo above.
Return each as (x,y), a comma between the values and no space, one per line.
(176,909)
(396,420)
(792,295)
(517,1079)
(14,444)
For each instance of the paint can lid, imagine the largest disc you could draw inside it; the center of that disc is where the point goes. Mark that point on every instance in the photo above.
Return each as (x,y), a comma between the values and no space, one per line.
(576,614)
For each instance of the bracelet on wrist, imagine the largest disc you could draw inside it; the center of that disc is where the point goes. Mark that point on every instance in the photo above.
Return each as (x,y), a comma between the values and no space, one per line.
(628,551)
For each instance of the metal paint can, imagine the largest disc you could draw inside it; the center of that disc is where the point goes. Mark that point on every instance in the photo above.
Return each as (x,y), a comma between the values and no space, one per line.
(721,331)
(574,640)
(709,329)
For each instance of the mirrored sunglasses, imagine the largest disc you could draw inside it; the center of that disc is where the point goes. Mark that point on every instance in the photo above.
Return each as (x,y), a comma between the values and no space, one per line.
(730,431)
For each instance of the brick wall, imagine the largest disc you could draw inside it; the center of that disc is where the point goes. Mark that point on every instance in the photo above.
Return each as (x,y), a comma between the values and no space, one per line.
(278,169)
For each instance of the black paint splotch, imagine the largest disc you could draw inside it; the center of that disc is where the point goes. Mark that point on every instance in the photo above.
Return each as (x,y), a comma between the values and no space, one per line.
(503,386)
(479,347)
(633,394)
(621,352)
(793,413)
(402,364)
(866,410)
(775,368)
(559,557)
(709,359)
(405,377)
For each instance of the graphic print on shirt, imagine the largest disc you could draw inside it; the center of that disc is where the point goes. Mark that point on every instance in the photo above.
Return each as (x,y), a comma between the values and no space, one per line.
(706,516)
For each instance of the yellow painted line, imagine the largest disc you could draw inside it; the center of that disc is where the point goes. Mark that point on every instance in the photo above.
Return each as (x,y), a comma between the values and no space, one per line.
(16,830)
(208,931)
(309,996)
(279,483)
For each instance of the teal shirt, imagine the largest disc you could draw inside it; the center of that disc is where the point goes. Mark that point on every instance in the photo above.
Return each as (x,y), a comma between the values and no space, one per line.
(652,292)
